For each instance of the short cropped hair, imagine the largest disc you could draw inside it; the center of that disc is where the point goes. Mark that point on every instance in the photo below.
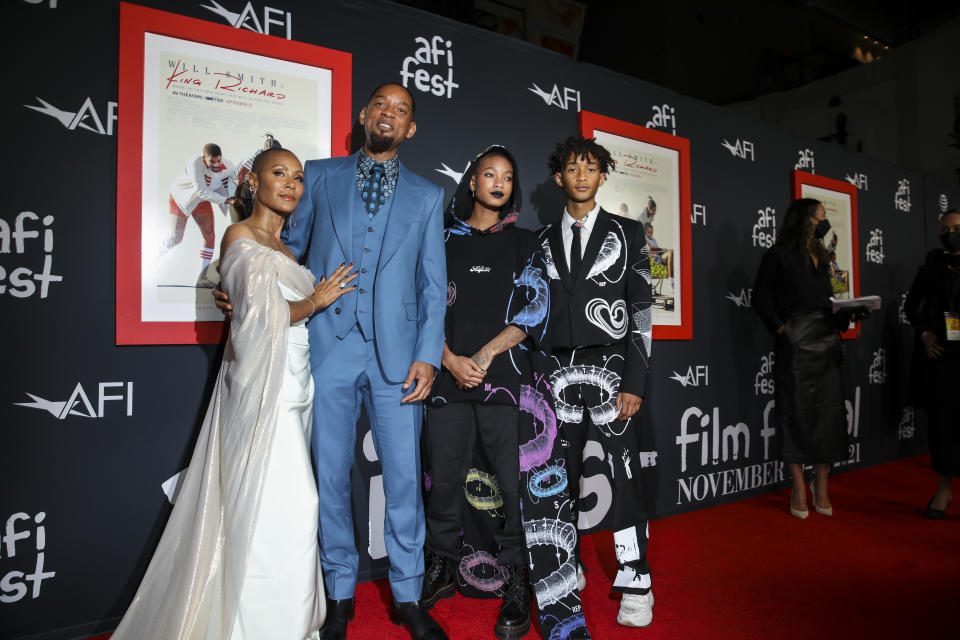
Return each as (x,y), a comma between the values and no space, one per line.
(413,101)
(212,150)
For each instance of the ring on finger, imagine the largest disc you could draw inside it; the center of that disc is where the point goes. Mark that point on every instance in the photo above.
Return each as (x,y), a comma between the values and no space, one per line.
(343,285)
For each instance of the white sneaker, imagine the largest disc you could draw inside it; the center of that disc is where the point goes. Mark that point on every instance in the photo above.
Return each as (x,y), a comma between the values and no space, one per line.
(636,610)
(581,578)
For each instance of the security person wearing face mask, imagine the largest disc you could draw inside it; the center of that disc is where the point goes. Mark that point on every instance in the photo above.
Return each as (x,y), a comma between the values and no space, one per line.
(933,308)
(791,295)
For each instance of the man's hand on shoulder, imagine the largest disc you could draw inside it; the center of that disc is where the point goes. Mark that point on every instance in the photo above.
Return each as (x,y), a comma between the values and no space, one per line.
(423,374)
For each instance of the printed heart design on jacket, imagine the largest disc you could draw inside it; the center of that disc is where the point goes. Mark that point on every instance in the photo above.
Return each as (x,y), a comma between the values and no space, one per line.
(611,318)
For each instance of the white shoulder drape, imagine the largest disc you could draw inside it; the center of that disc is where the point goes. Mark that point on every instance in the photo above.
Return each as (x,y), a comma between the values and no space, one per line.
(192,586)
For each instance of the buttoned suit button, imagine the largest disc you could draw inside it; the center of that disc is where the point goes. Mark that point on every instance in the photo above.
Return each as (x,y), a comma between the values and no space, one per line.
(337,311)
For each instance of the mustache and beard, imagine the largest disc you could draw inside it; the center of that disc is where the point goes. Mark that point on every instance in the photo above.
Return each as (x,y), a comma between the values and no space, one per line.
(378,143)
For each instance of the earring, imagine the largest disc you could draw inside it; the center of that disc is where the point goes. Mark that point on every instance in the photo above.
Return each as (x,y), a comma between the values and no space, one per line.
(473,193)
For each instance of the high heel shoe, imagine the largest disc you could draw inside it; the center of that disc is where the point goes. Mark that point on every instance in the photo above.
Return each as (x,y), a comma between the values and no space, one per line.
(798,513)
(824,511)
(935,514)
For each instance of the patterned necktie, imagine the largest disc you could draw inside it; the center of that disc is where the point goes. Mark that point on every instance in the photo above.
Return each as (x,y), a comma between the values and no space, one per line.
(372,195)
(576,253)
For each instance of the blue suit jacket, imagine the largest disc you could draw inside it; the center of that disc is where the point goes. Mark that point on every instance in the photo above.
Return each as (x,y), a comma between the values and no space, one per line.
(410,290)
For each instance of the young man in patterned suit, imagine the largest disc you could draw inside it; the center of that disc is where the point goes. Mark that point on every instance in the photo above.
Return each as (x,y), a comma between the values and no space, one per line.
(600,334)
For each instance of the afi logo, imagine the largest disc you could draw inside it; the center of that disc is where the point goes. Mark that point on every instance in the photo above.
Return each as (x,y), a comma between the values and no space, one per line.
(901,310)
(906,430)
(699,213)
(765,230)
(13,584)
(878,368)
(50,3)
(557,97)
(247,18)
(19,283)
(430,53)
(451,173)
(806,161)
(860,180)
(693,376)
(739,149)
(742,299)
(78,404)
(901,199)
(943,203)
(875,247)
(664,117)
(763,383)
(85,117)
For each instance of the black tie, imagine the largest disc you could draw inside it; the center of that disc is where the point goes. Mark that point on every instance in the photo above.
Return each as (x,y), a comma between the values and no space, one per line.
(372,194)
(576,253)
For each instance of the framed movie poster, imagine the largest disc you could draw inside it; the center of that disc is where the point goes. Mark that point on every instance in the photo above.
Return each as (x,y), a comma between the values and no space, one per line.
(198,101)
(651,184)
(839,199)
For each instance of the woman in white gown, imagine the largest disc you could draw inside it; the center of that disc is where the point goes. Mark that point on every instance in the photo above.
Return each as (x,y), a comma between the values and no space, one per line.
(238,558)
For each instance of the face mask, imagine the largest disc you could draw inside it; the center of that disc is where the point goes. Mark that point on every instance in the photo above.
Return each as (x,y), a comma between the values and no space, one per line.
(821,229)
(951,241)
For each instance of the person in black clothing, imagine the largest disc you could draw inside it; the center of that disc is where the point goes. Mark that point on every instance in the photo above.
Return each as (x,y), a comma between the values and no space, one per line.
(791,294)
(933,308)
(600,335)
(497,311)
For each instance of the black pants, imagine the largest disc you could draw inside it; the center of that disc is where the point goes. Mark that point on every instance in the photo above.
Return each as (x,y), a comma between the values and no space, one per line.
(450,439)
(585,385)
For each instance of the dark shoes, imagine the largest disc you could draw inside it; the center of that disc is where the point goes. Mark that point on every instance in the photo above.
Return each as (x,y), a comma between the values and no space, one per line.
(514,619)
(339,613)
(439,581)
(414,616)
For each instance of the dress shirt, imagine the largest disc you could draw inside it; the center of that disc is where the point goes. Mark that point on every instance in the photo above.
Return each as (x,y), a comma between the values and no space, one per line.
(566,220)
(391,169)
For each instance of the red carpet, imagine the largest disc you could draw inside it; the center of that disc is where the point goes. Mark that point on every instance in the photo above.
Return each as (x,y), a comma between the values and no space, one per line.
(876,569)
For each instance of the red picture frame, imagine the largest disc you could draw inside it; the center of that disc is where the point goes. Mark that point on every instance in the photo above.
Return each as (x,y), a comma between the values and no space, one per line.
(135,23)
(590,124)
(798,180)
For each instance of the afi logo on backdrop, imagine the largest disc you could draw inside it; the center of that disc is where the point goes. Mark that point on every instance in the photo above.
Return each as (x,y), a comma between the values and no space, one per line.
(699,214)
(806,161)
(664,117)
(901,199)
(562,97)
(901,310)
(906,430)
(694,376)
(765,230)
(28,556)
(742,150)
(86,117)
(741,299)
(436,55)
(874,250)
(50,3)
(763,383)
(79,404)
(19,282)
(943,203)
(247,18)
(451,173)
(878,368)
(859,180)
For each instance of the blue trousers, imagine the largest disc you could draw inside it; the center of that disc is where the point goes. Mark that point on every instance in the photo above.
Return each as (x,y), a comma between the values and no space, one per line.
(350,374)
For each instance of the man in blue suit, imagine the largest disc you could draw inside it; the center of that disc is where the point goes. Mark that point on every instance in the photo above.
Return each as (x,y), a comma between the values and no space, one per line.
(373,345)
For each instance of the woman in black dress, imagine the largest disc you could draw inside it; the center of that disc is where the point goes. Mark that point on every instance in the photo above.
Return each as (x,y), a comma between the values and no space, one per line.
(933,308)
(791,294)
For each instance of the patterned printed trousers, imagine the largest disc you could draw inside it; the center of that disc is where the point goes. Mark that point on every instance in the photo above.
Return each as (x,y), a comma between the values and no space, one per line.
(585,383)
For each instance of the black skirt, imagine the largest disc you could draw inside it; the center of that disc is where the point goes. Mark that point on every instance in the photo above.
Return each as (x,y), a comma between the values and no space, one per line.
(943,411)
(809,390)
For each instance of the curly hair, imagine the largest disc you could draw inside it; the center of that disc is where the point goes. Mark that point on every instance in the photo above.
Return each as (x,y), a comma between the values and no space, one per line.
(796,227)
(580,147)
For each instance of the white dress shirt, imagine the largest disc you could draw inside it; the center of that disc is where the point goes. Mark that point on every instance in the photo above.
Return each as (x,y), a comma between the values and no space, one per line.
(587,221)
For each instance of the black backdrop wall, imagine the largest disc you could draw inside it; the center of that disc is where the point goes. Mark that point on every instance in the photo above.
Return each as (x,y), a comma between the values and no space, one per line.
(82,505)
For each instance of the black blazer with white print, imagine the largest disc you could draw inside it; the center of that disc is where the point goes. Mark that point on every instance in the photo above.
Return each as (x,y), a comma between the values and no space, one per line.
(609,302)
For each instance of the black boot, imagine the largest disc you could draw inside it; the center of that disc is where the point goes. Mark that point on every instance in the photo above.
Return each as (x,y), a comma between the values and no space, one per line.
(438,580)
(514,619)
(414,616)
(339,613)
